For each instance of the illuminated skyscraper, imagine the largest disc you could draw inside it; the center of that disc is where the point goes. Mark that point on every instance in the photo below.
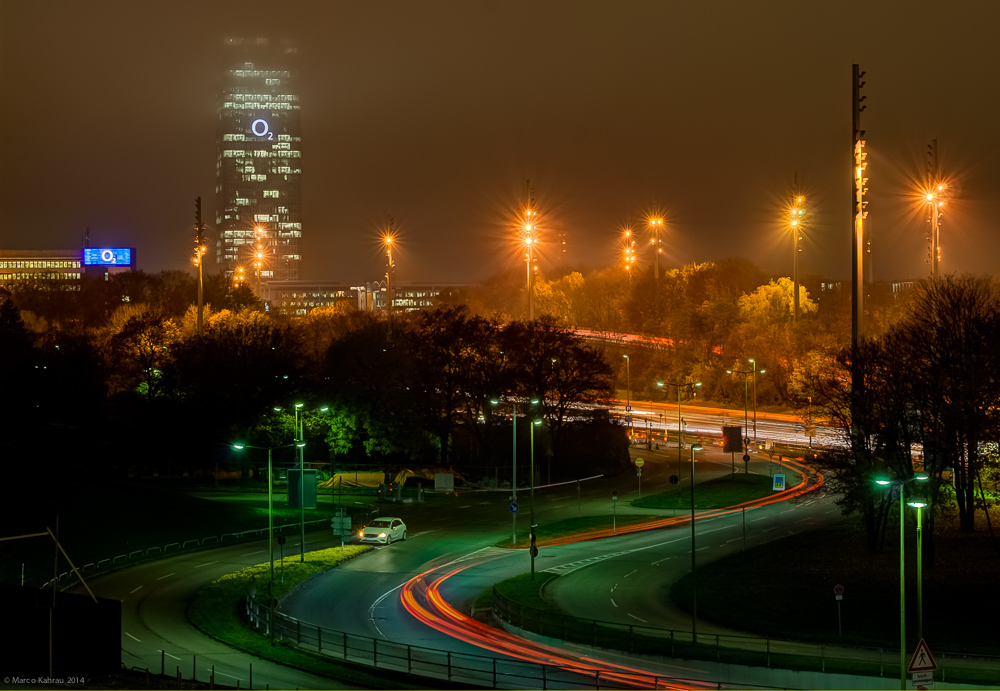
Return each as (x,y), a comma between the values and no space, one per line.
(258,169)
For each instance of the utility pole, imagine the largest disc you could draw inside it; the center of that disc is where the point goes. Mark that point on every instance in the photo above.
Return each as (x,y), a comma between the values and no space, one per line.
(199,259)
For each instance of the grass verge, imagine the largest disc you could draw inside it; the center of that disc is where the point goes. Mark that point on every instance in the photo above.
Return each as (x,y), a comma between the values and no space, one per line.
(574,526)
(714,494)
(216,610)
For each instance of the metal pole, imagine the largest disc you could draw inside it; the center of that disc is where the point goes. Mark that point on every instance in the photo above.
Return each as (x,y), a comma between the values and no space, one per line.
(514,513)
(694,577)
(270,539)
(920,574)
(902,593)
(755,400)
(302,486)
(680,431)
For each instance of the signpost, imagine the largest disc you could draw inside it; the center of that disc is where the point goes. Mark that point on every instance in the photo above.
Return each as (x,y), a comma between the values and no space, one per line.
(513,507)
(779,482)
(614,510)
(638,471)
(922,665)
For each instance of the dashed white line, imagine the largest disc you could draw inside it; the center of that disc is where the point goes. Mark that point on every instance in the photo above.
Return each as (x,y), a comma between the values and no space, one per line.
(613,587)
(133,590)
(613,602)
(207,564)
(168,654)
(637,618)
(701,548)
(250,554)
(132,637)
(630,572)
(167,576)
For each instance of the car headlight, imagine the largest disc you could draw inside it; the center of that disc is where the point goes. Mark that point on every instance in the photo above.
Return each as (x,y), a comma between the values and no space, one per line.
(361,534)
(381,534)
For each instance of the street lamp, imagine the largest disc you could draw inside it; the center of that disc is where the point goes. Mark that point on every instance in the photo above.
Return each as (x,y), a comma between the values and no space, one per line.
(655,226)
(270,519)
(628,247)
(796,223)
(628,395)
(755,370)
(680,424)
(694,573)
(902,568)
(746,373)
(390,267)
(531,427)
(513,514)
(530,240)
(919,503)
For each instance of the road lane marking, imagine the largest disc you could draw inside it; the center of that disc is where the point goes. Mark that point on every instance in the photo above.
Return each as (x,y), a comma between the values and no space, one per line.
(250,554)
(132,637)
(206,564)
(630,572)
(168,654)
(701,548)
(223,674)
(133,590)
(167,576)
(637,618)
(613,602)
(613,588)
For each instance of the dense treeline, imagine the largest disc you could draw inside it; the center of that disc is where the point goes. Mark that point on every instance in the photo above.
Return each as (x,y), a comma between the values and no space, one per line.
(142,389)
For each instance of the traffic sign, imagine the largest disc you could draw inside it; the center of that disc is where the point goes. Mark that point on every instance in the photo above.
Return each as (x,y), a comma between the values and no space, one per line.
(614,495)
(838,589)
(779,482)
(746,458)
(639,462)
(513,507)
(923,678)
(922,660)
(674,479)
(746,441)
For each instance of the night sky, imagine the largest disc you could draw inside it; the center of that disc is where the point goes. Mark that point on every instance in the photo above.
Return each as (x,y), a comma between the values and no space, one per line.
(437,113)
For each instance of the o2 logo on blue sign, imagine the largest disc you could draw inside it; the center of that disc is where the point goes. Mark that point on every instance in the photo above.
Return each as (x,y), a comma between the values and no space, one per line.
(260,128)
(107,257)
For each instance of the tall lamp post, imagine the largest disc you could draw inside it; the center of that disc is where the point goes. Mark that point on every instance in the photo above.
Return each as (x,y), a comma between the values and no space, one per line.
(390,265)
(694,573)
(796,223)
(496,402)
(745,374)
(532,550)
(530,240)
(270,519)
(655,226)
(902,568)
(680,424)
(628,394)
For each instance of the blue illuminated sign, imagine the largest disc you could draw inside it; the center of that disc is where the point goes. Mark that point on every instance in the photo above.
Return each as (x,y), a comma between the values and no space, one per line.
(107,257)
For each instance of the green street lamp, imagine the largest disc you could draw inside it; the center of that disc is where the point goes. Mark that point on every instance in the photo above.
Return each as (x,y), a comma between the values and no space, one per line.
(496,402)
(919,503)
(270,520)
(694,572)
(531,548)
(680,424)
(886,482)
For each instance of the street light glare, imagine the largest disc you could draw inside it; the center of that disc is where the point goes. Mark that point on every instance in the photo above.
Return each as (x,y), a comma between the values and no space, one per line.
(238,446)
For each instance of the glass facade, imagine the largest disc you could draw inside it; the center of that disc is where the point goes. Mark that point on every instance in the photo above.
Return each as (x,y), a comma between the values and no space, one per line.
(258,165)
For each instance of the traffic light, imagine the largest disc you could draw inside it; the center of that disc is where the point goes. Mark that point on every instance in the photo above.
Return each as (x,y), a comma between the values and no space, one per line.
(533,549)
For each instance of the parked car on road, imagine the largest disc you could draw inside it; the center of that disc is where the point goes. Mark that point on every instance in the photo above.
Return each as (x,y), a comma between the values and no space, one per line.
(384,530)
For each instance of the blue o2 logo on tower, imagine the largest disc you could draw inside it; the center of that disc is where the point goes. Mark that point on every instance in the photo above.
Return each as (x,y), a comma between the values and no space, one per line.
(107,256)
(260,128)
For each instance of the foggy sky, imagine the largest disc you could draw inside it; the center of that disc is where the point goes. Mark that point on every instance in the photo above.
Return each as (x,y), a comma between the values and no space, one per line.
(437,113)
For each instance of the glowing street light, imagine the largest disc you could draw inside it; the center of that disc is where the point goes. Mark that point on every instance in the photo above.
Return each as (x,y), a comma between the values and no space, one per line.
(530,229)
(694,571)
(655,226)
(886,482)
(795,221)
(628,250)
(680,424)
(270,520)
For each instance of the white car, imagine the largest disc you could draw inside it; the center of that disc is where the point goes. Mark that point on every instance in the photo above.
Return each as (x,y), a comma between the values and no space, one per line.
(384,531)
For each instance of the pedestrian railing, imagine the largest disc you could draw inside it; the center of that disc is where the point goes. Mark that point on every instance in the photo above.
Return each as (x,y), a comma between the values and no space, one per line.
(724,648)
(434,664)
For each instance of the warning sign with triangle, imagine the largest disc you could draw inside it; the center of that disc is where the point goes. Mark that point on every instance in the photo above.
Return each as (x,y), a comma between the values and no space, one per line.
(922,660)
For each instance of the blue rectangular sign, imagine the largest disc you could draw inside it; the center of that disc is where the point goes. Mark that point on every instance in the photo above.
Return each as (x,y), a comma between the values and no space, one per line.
(107,256)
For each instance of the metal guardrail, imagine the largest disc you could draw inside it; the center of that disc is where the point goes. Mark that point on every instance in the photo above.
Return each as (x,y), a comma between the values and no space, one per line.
(723,648)
(458,668)
(186,545)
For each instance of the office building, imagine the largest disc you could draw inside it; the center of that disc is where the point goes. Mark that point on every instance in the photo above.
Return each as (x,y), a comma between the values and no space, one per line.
(259,162)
